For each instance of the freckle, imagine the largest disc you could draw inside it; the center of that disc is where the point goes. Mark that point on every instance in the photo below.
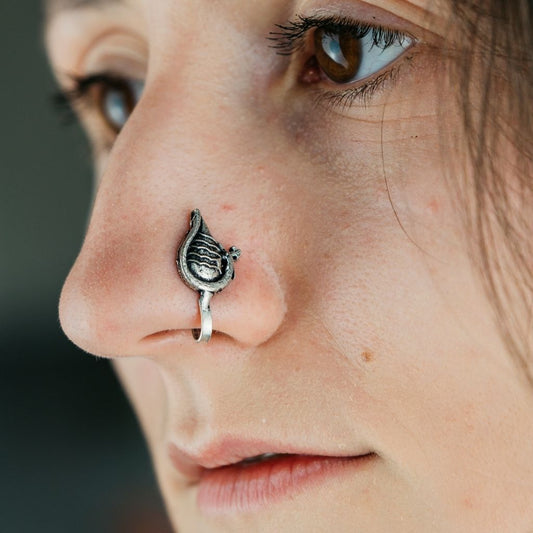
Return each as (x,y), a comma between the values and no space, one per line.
(434,206)
(467,502)
(228,207)
(367,356)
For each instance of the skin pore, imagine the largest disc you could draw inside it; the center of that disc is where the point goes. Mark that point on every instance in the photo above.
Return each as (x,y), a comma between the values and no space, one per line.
(357,323)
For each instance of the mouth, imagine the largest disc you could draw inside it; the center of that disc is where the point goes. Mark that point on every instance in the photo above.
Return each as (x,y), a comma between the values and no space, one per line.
(260,458)
(257,481)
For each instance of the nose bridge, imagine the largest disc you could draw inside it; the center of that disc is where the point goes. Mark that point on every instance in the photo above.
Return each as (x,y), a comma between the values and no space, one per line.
(195,140)
(204,113)
(165,163)
(193,130)
(186,144)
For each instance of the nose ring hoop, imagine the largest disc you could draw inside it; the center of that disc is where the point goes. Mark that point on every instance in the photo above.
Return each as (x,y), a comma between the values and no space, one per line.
(205,266)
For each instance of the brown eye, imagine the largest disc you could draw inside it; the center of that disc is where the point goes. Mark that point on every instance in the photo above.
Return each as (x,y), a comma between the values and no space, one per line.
(117,99)
(338,54)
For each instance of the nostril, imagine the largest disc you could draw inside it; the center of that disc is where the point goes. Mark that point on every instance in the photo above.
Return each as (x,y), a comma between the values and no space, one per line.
(161,335)
(166,336)
(177,336)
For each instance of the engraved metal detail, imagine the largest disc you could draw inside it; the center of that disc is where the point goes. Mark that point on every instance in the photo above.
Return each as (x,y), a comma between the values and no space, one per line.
(205,266)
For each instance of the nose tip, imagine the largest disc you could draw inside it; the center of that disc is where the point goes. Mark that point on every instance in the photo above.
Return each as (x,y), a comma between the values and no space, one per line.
(116,303)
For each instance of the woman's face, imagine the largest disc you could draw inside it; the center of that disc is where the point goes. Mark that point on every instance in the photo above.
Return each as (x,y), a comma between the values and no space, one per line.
(356,336)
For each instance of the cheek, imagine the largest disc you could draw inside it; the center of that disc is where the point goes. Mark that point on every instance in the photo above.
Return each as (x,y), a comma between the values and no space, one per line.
(394,277)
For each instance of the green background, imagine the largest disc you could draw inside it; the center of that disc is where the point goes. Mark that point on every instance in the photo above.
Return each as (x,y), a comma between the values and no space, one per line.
(73,459)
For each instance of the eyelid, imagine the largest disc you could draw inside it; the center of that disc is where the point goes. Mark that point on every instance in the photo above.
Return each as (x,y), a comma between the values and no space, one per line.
(120,53)
(86,40)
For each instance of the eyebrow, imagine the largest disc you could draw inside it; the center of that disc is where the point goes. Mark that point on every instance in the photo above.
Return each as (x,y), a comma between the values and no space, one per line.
(53,7)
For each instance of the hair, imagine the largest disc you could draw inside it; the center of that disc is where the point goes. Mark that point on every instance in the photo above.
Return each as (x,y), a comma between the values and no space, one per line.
(494,76)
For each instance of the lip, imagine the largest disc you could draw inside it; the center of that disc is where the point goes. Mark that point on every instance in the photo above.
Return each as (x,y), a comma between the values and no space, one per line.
(246,488)
(226,485)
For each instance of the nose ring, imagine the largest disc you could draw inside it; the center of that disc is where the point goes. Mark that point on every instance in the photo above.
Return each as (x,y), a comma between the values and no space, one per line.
(205,266)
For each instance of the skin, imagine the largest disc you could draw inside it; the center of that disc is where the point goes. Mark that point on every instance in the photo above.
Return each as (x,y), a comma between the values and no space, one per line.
(357,319)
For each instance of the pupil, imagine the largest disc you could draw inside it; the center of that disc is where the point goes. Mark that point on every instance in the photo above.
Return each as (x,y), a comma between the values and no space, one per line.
(338,54)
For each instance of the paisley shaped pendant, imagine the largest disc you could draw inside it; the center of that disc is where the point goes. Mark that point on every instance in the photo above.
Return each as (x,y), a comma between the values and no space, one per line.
(205,266)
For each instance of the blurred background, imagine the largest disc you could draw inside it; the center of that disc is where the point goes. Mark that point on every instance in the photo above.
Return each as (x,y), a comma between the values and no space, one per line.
(73,458)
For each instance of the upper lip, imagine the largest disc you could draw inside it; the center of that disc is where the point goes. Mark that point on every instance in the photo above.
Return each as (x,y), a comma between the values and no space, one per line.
(231,450)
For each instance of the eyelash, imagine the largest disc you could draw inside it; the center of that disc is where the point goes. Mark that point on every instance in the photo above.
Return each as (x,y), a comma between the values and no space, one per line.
(292,37)
(67,101)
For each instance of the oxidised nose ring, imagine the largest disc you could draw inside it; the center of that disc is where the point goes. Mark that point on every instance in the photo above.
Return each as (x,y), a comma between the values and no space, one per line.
(205,266)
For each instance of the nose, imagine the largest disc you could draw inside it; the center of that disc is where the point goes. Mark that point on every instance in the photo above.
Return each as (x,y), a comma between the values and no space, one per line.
(124,295)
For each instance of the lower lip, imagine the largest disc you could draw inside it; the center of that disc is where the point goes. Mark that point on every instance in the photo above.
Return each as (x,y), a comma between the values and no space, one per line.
(245,488)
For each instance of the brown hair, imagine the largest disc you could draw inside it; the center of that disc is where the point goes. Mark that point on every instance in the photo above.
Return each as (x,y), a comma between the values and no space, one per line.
(499,134)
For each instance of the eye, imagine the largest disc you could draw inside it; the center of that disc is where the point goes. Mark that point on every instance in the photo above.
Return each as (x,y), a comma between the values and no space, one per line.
(353,56)
(117,99)
(112,97)
(344,57)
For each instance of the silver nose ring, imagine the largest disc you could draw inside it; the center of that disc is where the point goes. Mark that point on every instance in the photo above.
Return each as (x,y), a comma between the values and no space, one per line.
(205,266)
